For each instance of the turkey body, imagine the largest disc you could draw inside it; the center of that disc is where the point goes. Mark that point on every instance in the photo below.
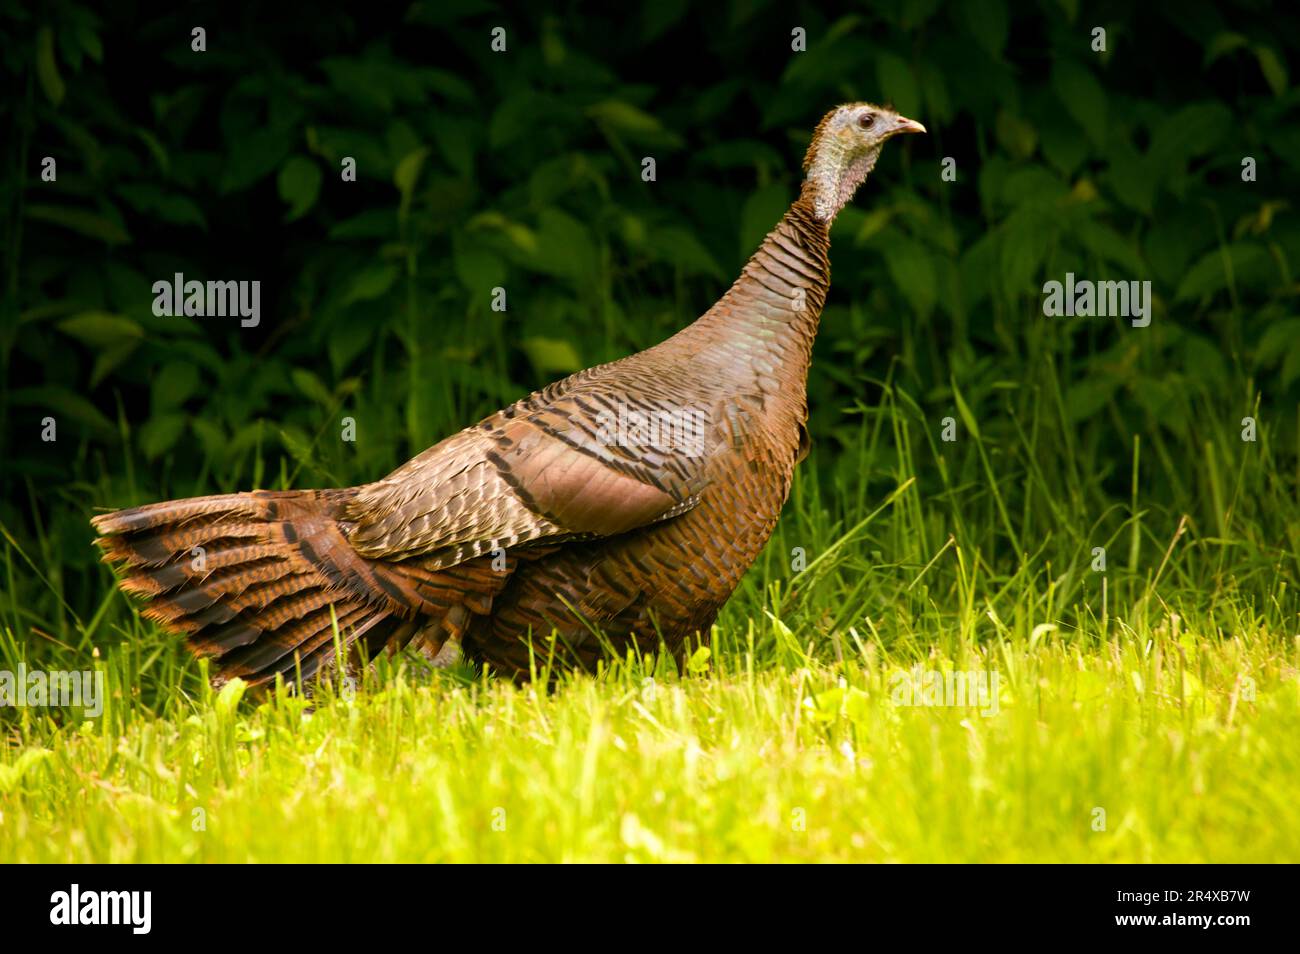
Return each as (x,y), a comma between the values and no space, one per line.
(554,523)
(668,580)
(617,508)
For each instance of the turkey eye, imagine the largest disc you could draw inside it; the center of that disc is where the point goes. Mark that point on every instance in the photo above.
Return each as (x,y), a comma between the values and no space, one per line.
(865,120)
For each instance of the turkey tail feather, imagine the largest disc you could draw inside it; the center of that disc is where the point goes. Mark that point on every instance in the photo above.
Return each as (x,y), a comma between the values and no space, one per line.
(257,581)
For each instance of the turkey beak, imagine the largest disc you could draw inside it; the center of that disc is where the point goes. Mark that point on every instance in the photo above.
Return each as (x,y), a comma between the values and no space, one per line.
(904,125)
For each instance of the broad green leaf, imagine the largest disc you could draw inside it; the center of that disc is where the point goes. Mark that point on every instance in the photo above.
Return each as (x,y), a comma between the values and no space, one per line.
(371,224)
(1132,178)
(1083,98)
(1273,68)
(1089,396)
(455,140)
(309,384)
(978,268)
(1017,136)
(1211,272)
(213,438)
(100,329)
(1221,44)
(478,269)
(682,248)
(448,85)
(564,247)
(912,268)
(898,83)
(1291,368)
(827,61)
(1281,337)
(1204,361)
(371,282)
(1026,236)
(405,177)
(149,198)
(161,432)
(59,402)
(299,184)
(81,221)
(760,214)
(552,355)
(347,341)
(935,88)
(739,154)
(89,41)
(521,238)
(658,17)
(632,123)
(624,117)
(175,384)
(1031,185)
(1108,245)
(989,22)
(864,226)
(155,148)
(47,68)
(515,118)
(1194,130)
(1061,143)
(110,358)
(253,155)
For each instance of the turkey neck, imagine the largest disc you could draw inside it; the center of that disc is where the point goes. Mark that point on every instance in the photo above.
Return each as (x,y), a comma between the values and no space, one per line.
(758,338)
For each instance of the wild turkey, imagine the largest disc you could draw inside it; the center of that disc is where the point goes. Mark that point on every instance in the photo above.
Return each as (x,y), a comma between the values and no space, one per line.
(555,517)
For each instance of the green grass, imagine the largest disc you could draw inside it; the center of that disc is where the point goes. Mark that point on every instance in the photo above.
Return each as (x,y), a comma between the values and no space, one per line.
(1161,691)
(742,761)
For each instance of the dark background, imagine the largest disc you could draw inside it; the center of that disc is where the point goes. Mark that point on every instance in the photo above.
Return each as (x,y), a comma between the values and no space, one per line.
(522,170)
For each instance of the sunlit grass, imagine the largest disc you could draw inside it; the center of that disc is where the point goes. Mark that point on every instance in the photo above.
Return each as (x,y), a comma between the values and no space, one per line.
(1186,746)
